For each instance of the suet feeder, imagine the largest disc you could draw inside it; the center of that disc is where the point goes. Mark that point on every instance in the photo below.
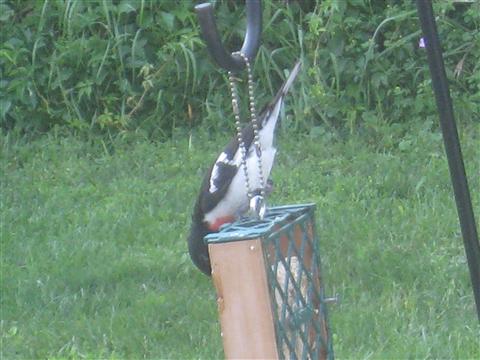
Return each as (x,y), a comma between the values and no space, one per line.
(268,280)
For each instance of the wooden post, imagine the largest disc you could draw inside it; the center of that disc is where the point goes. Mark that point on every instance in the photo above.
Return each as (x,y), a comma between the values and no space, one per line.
(246,318)
(268,283)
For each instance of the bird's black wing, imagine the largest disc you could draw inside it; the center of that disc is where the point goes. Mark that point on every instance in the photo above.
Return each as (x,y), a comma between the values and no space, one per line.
(221,173)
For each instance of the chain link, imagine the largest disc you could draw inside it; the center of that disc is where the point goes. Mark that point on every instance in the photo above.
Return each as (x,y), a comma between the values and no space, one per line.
(238,126)
(254,122)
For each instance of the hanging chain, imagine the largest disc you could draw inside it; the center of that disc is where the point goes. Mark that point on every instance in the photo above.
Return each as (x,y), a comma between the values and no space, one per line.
(238,126)
(254,120)
(257,204)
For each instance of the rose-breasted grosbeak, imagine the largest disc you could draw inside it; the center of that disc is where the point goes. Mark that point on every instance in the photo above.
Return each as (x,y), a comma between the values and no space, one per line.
(223,195)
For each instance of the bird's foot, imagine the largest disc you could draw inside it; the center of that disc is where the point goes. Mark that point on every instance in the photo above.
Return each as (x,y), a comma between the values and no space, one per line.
(258,207)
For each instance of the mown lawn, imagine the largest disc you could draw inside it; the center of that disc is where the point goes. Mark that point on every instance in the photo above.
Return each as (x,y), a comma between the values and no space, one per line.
(94,261)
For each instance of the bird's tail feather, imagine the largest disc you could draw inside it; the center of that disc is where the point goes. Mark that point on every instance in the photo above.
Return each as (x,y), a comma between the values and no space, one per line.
(286,85)
(291,78)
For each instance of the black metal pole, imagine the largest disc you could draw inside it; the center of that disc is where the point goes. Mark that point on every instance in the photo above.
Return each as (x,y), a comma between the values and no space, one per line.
(212,38)
(452,145)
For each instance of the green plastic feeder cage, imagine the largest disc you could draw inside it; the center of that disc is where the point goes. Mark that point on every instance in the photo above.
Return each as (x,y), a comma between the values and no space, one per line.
(270,292)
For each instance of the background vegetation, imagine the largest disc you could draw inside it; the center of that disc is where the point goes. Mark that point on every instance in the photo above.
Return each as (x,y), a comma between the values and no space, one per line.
(139,65)
(111,110)
(95,263)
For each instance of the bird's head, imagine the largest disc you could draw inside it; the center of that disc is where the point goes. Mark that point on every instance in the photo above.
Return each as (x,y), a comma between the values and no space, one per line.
(197,247)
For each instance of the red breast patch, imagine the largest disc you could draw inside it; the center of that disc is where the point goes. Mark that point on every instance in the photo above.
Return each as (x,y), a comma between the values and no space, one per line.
(215,226)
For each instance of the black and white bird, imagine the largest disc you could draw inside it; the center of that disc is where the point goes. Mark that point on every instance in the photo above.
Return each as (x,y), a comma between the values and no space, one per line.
(223,196)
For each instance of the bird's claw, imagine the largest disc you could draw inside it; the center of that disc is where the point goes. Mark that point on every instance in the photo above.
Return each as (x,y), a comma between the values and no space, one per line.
(258,207)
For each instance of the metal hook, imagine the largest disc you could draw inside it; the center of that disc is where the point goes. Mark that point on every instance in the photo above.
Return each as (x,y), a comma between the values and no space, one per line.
(210,34)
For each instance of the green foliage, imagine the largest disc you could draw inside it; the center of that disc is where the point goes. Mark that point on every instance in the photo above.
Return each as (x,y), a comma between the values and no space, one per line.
(368,67)
(103,65)
(95,265)
(115,66)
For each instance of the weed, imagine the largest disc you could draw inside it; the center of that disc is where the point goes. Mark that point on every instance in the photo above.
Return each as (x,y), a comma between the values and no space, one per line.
(110,67)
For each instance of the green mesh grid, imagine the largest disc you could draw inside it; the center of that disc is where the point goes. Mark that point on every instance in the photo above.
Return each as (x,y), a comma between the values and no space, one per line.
(292,261)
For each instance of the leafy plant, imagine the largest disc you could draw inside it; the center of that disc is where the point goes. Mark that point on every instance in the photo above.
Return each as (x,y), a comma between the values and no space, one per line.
(116,66)
(97,66)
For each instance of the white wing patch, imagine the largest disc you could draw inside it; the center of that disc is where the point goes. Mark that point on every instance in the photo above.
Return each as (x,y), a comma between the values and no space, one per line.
(235,202)
(222,159)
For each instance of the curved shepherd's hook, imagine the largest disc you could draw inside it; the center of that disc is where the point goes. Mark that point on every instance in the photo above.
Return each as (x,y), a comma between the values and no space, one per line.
(210,34)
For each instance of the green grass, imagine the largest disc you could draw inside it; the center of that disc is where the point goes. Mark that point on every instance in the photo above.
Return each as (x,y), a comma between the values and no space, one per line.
(94,261)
